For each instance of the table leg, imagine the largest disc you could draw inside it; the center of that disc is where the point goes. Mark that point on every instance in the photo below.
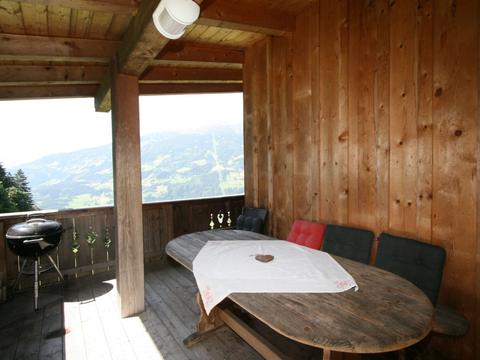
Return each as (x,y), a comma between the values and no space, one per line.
(333,355)
(206,324)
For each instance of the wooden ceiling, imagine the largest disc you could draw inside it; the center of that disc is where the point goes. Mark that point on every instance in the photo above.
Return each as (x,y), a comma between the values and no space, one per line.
(56,48)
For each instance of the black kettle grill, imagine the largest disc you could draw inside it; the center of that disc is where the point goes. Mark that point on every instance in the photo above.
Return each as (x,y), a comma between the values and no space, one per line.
(32,239)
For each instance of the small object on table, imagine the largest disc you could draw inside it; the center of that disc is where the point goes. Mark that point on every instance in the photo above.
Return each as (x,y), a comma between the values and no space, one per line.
(264,258)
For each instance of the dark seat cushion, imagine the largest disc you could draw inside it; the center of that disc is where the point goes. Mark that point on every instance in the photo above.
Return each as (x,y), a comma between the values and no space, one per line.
(351,243)
(307,233)
(419,262)
(249,223)
(252,219)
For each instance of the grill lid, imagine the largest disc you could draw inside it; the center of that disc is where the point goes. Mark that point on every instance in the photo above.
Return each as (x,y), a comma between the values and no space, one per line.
(34,228)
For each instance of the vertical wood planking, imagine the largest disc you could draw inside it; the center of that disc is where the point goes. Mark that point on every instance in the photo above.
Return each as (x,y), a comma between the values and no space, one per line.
(262,118)
(282,136)
(381,104)
(455,114)
(248,116)
(314,111)
(304,149)
(333,126)
(403,127)
(406,74)
(362,133)
(424,91)
(476,337)
(127,194)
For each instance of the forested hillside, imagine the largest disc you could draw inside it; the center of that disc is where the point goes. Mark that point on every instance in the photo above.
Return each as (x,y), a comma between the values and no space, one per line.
(174,166)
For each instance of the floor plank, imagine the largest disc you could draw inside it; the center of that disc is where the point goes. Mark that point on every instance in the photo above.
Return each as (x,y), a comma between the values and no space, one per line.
(80,321)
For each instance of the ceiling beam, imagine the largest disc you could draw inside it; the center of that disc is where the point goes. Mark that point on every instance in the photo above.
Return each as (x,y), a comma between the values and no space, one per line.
(141,44)
(44,48)
(190,51)
(11,75)
(191,74)
(44,92)
(125,7)
(159,89)
(196,64)
(234,15)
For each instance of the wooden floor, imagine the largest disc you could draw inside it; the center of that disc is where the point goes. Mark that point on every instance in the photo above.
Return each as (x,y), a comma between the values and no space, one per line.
(80,321)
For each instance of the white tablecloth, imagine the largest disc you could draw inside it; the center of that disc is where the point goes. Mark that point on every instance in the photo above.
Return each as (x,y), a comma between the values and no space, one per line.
(225,267)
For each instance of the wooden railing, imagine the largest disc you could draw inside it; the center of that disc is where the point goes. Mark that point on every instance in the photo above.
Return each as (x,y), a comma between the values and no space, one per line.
(88,243)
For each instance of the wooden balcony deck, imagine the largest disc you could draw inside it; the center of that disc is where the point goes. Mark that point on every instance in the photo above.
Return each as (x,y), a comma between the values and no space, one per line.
(80,321)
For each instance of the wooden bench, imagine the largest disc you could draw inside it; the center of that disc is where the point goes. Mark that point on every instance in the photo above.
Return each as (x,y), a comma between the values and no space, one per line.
(449,322)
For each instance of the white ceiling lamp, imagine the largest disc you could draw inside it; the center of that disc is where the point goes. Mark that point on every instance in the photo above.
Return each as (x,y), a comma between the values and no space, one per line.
(172,17)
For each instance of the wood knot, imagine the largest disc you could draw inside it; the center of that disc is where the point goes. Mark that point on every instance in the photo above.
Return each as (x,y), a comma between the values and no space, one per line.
(400,143)
(343,136)
(458,133)
(397,201)
(438,92)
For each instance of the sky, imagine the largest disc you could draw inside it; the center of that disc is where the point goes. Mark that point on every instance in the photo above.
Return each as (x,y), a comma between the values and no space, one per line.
(32,129)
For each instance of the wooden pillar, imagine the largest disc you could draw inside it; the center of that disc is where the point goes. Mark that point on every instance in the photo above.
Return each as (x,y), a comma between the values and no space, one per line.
(127,194)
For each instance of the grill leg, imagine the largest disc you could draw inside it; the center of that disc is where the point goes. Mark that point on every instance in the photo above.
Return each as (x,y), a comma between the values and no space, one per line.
(55,266)
(15,284)
(35,286)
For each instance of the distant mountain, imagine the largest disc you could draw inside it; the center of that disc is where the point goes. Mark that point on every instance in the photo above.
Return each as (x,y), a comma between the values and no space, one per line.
(174,166)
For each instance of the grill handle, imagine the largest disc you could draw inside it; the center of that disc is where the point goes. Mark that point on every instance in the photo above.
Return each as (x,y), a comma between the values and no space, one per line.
(35,220)
(33,241)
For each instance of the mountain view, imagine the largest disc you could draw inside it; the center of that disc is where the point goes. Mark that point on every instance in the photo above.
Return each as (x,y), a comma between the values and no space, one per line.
(174,166)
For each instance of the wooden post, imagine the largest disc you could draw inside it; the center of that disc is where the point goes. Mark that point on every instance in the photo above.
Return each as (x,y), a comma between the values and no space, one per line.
(127,194)
(3,263)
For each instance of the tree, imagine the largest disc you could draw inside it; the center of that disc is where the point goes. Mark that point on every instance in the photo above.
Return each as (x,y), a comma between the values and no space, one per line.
(6,178)
(5,203)
(21,181)
(15,194)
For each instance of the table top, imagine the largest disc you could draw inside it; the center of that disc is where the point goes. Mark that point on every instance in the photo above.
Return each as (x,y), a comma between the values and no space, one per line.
(387,313)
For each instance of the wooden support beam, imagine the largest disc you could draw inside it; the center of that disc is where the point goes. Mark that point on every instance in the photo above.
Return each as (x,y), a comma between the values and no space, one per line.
(196,64)
(237,16)
(189,51)
(21,74)
(159,89)
(45,92)
(250,336)
(126,7)
(43,48)
(127,194)
(141,44)
(194,74)
(3,259)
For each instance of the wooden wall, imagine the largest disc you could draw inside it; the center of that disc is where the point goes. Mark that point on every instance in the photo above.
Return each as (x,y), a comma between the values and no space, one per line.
(369,116)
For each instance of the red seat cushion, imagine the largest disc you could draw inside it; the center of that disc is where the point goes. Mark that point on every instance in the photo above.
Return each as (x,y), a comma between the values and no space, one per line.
(307,233)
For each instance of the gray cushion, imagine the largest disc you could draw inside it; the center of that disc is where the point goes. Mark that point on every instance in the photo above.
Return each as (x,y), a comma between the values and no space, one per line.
(419,262)
(249,223)
(348,242)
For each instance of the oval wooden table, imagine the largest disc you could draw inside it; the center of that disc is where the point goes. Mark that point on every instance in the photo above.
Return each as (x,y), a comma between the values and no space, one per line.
(387,313)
